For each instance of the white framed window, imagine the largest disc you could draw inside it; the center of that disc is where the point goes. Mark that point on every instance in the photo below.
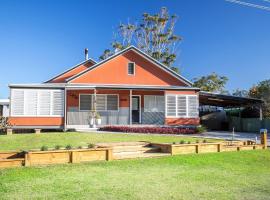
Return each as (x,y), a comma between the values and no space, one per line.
(154,103)
(104,102)
(185,106)
(37,102)
(131,68)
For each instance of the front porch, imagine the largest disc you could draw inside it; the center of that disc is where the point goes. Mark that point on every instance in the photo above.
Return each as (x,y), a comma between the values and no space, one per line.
(116,106)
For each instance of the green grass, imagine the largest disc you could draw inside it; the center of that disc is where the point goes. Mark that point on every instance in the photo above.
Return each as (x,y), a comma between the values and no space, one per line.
(35,141)
(222,176)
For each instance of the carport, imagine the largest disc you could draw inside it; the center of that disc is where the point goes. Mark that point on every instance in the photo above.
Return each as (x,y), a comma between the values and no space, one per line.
(219,121)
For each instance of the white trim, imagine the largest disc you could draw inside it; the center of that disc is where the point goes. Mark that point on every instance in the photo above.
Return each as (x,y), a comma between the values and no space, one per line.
(140,107)
(134,68)
(176,105)
(106,95)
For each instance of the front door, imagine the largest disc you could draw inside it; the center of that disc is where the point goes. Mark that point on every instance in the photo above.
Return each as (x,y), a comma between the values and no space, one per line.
(135,110)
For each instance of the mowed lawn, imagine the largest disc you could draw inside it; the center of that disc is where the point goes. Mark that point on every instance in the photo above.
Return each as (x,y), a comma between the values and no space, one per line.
(227,175)
(35,141)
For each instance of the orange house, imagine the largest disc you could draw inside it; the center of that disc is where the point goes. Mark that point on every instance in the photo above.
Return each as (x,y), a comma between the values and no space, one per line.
(127,88)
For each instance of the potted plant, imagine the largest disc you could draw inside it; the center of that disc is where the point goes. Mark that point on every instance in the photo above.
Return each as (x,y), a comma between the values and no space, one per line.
(98,119)
(92,119)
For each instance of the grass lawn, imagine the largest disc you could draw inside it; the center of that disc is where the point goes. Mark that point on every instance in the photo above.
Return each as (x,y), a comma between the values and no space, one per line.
(227,175)
(35,141)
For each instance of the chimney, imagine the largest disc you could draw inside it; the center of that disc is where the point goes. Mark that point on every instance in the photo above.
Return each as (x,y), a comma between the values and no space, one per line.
(86,53)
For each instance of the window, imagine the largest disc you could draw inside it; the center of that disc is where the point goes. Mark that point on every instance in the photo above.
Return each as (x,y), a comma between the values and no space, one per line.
(131,68)
(154,103)
(103,102)
(37,102)
(182,106)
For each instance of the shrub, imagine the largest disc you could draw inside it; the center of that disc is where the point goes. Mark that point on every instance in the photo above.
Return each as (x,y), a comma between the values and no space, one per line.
(68,147)
(197,141)
(91,145)
(161,130)
(57,147)
(204,141)
(182,142)
(44,148)
(4,123)
(79,147)
(189,142)
(174,142)
(201,129)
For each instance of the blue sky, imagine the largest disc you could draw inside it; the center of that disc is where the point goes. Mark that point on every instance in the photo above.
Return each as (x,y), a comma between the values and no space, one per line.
(39,39)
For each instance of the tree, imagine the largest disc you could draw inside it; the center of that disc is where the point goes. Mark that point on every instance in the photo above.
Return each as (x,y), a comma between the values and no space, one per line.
(262,91)
(153,34)
(240,93)
(211,83)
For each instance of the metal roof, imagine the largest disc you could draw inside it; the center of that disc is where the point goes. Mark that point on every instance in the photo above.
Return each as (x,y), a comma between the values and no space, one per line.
(221,100)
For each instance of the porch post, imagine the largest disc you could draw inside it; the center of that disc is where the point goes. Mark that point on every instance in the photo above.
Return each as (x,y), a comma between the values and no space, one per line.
(65,109)
(95,108)
(130,107)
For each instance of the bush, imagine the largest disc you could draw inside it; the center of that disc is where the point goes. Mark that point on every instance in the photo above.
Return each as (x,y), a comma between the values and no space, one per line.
(4,123)
(182,142)
(90,146)
(79,147)
(201,129)
(197,141)
(189,142)
(57,147)
(44,148)
(161,130)
(204,141)
(68,147)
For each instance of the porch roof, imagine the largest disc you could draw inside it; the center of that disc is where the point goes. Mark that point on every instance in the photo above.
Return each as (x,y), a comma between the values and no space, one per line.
(101,86)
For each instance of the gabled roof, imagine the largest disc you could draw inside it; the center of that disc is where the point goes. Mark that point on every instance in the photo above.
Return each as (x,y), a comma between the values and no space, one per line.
(73,67)
(146,56)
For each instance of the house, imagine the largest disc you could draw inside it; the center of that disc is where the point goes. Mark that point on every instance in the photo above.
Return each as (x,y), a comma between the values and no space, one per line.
(127,88)
(4,107)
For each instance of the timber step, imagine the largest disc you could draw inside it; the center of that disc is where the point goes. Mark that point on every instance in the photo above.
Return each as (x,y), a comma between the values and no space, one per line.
(124,150)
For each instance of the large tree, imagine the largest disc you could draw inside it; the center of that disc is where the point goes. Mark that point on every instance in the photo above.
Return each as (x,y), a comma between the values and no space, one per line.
(154,34)
(262,91)
(211,83)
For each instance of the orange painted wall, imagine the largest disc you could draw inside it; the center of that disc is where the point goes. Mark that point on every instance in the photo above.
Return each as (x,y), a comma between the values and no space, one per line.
(36,121)
(182,121)
(71,73)
(115,72)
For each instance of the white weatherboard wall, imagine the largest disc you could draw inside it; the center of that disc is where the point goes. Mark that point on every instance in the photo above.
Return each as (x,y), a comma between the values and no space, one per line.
(37,102)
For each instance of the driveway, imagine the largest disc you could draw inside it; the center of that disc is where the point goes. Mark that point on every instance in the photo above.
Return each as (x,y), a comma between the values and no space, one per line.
(228,135)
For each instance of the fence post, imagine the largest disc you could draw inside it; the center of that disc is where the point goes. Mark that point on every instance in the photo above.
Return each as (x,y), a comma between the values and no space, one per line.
(264,138)
(109,155)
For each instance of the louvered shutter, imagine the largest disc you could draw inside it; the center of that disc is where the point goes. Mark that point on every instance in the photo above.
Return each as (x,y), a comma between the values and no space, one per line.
(193,110)
(57,102)
(30,102)
(44,102)
(112,102)
(171,105)
(181,106)
(17,102)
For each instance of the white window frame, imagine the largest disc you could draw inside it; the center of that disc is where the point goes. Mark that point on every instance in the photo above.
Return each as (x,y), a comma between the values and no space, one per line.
(38,108)
(134,69)
(106,95)
(176,105)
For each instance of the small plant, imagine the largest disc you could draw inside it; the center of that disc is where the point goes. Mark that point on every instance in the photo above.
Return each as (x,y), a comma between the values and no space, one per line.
(79,147)
(201,129)
(68,147)
(204,141)
(97,116)
(197,141)
(44,148)
(57,147)
(174,142)
(182,142)
(189,142)
(91,146)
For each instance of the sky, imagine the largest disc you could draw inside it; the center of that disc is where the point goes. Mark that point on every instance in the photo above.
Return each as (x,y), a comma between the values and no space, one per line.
(40,39)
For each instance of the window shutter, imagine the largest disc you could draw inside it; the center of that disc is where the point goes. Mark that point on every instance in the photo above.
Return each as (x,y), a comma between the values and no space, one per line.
(101,102)
(171,105)
(57,102)
(112,102)
(44,102)
(160,103)
(193,106)
(181,106)
(30,102)
(17,102)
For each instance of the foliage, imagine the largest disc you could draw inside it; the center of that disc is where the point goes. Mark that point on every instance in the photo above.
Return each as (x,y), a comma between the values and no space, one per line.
(211,83)
(80,147)
(4,123)
(262,91)
(240,93)
(97,116)
(201,129)
(57,147)
(44,148)
(68,147)
(204,141)
(182,142)
(161,130)
(153,34)
(90,145)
